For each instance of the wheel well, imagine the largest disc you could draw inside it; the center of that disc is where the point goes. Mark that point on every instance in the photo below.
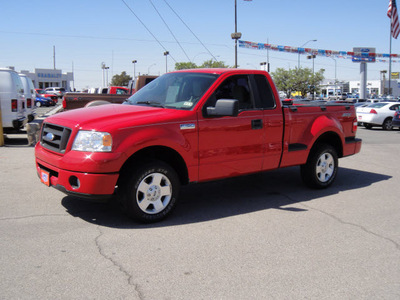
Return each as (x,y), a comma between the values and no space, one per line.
(388,118)
(332,139)
(165,154)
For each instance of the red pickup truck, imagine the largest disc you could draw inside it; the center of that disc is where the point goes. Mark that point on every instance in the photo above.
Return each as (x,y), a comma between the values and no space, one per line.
(190,126)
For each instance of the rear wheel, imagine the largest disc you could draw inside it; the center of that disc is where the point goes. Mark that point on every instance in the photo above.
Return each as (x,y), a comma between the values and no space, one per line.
(151,192)
(321,167)
(387,124)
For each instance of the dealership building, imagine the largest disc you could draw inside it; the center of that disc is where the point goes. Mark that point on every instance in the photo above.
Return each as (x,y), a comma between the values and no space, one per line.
(44,78)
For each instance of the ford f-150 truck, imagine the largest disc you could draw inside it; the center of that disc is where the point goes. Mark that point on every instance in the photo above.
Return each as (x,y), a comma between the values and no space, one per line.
(190,126)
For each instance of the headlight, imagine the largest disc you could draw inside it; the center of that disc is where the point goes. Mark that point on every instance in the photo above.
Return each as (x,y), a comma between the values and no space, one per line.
(92,141)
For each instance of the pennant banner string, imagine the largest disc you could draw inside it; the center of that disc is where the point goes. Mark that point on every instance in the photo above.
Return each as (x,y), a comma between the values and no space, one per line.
(379,57)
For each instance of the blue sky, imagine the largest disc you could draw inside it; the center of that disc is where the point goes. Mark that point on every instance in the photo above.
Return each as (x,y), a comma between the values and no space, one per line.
(86,33)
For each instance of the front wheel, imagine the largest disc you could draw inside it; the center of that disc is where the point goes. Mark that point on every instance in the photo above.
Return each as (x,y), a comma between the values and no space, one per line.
(151,192)
(321,167)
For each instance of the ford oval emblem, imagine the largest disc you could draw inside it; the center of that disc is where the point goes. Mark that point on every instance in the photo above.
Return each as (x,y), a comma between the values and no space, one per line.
(49,136)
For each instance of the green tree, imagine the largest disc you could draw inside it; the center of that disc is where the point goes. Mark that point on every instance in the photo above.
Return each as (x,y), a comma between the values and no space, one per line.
(297,80)
(284,81)
(207,64)
(185,65)
(121,80)
(213,64)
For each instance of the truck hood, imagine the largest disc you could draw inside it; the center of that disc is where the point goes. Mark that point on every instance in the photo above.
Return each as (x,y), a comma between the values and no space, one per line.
(116,116)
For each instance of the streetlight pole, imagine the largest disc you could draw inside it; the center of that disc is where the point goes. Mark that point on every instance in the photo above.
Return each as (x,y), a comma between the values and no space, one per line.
(298,64)
(107,74)
(134,69)
(335,77)
(313,79)
(166,61)
(103,66)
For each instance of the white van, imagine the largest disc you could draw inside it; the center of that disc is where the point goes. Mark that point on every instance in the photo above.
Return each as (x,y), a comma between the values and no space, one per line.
(12,100)
(30,96)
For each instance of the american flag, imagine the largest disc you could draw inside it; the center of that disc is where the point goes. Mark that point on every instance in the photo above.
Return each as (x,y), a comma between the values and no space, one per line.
(393,15)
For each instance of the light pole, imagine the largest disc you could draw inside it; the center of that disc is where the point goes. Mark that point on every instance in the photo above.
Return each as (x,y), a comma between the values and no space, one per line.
(313,80)
(148,69)
(236,35)
(107,74)
(335,76)
(298,65)
(383,72)
(166,61)
(134,69)
(103,66)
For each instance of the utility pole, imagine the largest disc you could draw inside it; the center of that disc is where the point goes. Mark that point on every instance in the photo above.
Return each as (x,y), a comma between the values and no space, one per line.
(54,57)
(236,35)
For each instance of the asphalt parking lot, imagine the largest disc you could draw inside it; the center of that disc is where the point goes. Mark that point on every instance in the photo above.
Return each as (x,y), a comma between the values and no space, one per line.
(264,236)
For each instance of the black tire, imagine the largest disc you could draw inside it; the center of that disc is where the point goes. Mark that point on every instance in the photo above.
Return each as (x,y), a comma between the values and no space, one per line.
(368,126)
(321,167)
(151,192)
(387,124)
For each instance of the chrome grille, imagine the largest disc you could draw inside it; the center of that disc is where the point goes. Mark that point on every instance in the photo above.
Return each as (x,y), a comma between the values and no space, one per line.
(55,137)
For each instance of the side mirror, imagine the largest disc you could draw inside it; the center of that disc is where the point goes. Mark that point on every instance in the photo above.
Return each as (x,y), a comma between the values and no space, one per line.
(224,107)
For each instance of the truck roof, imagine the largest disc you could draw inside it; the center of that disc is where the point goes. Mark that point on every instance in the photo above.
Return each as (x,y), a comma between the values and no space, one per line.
(222,70)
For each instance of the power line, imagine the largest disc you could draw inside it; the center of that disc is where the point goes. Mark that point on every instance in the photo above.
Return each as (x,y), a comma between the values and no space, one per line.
(190,30)
(166,25)
(147,28)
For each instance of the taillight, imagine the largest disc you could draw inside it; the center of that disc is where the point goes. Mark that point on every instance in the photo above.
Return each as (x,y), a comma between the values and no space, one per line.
(373,111)
(64,103)
(29,102)
(14,105)
(355,124)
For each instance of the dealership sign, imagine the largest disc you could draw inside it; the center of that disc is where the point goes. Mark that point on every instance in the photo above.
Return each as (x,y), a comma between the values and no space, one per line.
(363,54)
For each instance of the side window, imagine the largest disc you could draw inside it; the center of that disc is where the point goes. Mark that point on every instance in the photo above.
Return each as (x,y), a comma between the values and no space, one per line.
(394,107)
(17,82)
(235,87)
(264,91)
(121,92)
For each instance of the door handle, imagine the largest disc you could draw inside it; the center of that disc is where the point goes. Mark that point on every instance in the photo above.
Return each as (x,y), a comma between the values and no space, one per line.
(256,124)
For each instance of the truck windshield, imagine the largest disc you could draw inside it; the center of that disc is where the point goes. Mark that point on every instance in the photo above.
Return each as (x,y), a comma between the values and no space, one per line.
(174,90)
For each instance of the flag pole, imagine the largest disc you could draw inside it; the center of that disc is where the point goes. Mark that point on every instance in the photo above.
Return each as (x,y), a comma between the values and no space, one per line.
(390,58)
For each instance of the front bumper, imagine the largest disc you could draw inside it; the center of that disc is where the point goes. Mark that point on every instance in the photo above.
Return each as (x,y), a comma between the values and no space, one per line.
(88,185)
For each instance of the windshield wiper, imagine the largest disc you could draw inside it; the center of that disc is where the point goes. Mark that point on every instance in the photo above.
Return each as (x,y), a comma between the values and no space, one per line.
(151,103)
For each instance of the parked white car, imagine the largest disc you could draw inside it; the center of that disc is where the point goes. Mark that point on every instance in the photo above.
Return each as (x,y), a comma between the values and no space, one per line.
(12,100)
(378,114)
(59,91)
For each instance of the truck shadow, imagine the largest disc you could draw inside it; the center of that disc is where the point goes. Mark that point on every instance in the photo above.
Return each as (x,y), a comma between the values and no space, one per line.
(280,189)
